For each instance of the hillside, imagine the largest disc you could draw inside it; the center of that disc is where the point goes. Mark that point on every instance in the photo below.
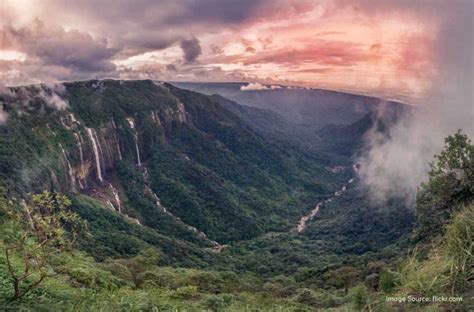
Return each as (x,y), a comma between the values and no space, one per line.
(165,158)
(192,201)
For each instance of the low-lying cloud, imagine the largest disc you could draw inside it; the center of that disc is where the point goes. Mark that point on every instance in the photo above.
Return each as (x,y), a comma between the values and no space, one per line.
(258,86)
(395,165)
(19,98)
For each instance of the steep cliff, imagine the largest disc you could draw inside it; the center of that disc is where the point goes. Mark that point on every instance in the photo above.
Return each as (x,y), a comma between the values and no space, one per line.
(172,160)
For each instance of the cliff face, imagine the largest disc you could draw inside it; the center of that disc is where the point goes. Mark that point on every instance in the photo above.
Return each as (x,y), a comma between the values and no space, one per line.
(86,137)
(165,158)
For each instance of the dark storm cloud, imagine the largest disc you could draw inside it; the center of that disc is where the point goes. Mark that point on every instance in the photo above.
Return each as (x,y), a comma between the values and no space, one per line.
(143,25)
(191,49)
(216,11)
(53,46)
(101,32)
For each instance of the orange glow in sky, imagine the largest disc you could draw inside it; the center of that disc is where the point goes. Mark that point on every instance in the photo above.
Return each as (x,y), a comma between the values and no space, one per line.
(323,44)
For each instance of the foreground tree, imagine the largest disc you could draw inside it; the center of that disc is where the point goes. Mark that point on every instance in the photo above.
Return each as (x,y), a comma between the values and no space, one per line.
(450,184)
(33,234)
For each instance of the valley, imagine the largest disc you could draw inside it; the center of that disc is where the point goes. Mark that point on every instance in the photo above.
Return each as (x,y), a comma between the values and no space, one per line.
(307,218)
(214,187)
(236,156)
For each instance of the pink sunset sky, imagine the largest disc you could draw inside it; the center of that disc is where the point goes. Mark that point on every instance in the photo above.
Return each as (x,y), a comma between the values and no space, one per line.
(385,48)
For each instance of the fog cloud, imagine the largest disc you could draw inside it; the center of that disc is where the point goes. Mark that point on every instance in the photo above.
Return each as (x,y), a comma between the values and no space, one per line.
(395,166)
(258,86)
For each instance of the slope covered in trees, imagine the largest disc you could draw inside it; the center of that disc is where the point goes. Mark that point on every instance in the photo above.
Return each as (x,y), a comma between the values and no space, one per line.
(156,180)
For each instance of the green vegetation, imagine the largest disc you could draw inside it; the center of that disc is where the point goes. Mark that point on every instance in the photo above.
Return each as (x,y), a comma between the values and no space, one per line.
(451,184)
(33,236)
(238,186)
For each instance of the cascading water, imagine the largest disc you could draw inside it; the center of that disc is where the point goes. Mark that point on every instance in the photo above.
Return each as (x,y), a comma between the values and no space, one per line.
(91,133)
(101,153)
(155,118)
(116,197)
(73,119)
(131,122)
(69,167)
(117,139)
(81,174)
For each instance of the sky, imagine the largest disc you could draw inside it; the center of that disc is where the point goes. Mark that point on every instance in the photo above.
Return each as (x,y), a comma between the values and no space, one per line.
(384,48)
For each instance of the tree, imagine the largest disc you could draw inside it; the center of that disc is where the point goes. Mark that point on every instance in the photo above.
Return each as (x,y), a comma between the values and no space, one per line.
(33,234)
(139,267)
(343,277)
(450,184)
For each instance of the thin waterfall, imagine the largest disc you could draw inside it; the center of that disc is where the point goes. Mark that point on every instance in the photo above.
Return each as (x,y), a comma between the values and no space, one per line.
(73,119)
(135,138)
(90,132)
(155,118)
(81,174)
(117,139)
(116,197)
(101,153)
(70,171)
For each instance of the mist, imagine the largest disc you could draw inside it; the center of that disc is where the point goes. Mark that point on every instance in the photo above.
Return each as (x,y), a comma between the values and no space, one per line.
(20,97)
(396,164)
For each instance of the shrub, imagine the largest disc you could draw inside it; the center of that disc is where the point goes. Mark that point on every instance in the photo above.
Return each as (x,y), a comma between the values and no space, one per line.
(359,296)
(186,292)
(386,280)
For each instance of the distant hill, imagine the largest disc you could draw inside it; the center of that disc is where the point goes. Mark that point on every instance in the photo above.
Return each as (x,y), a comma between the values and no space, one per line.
(310,107)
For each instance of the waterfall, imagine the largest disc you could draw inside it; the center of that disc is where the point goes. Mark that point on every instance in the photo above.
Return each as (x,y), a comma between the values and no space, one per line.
(70,171)
(81,174)
(91,133)
(155,118)
(157,200)
(110,204)
(135,138)
(117,139)
(181,112)
(73,119)
(116,197)
(134,220)
(69,119)
(101,153)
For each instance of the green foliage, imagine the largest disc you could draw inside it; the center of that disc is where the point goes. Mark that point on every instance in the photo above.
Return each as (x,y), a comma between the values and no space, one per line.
(343,277)
(212,171)
(359,296)
(185,292)
(451,183)
(387,280)
(459,248)
(33,236)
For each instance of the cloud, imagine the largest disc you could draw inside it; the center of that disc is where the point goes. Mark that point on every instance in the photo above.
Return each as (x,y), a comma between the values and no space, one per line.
(171,67)
(54,52)
(191,49)
(395,165)
(257,86)
(19,97)
(270,41)
(51,95)
(323,52)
